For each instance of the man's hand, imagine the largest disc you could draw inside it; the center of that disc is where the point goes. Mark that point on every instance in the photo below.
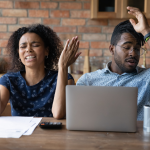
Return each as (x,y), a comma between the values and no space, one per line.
(142,25)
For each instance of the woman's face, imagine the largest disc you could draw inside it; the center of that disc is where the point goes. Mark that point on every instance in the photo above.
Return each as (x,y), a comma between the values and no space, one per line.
(32,51)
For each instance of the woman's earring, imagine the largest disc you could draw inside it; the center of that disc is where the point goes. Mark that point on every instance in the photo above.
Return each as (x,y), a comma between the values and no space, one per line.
(47,57)
(19,59)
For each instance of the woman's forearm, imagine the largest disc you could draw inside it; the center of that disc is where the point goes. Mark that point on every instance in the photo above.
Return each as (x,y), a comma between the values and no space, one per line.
(4,98)
(59,103)
(0,107)
(67,57)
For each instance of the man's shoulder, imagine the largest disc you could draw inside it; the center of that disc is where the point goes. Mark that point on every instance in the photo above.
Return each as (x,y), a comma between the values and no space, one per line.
(144,74)
(88,78)
(139,69)
(95,73)
(143,70)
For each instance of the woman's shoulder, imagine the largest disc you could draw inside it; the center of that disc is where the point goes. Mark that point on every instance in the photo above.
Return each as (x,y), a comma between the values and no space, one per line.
(11,75)
(9,79)
(54,74)
(51,73)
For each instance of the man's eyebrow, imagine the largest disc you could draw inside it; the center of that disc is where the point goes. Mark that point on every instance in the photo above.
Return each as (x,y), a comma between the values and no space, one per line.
(128,42)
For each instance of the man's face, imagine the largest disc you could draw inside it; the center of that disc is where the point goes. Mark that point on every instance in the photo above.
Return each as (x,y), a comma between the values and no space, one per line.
(124,59)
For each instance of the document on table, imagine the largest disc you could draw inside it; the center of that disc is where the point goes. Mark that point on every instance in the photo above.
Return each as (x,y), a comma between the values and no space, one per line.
(34,122)
(15,127)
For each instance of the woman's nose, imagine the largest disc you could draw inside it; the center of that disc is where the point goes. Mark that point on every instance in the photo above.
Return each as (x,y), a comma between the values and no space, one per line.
(29,48)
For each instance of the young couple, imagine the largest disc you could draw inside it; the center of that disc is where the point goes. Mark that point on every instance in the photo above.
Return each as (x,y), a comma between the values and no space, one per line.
(35,88)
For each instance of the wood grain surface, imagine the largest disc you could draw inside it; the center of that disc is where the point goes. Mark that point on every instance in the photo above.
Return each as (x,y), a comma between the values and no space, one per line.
(63,139)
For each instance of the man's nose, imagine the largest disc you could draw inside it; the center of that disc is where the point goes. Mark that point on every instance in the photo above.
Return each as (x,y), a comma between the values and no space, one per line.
(133,52)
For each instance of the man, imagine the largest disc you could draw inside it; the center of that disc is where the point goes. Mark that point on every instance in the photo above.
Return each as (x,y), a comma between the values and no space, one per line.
(125,47)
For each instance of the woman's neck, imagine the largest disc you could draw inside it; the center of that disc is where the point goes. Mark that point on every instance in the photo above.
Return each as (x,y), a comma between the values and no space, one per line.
(33,76)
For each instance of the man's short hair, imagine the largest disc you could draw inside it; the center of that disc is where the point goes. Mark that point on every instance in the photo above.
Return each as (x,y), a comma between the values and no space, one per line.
(126,27)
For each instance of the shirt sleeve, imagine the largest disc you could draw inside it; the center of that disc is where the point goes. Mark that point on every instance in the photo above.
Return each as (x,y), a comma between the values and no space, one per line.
(70,76)
(83,80)
(4,80)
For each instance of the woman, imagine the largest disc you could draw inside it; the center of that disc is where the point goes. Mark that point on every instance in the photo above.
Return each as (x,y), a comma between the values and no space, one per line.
(32,85)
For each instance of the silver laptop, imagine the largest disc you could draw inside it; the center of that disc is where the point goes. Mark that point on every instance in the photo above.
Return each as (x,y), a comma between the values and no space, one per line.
(101,108)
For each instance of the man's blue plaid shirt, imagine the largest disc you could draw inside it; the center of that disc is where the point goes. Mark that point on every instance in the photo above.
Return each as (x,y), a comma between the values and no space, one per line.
(139,78)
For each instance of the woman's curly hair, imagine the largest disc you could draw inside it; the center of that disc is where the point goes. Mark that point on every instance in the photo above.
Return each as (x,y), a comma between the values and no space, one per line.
(50,39)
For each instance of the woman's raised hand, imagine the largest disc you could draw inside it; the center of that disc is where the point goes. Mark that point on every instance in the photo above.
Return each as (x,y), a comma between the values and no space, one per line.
(69,53)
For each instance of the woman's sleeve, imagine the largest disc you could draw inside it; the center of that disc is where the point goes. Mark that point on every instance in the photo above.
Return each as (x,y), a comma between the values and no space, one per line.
(4,80)
(70,76)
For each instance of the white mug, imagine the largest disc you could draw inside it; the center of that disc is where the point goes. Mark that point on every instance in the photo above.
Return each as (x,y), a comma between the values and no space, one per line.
(146,119)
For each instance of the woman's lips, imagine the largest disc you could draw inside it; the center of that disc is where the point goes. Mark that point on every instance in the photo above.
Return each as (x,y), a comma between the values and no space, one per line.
(30,58)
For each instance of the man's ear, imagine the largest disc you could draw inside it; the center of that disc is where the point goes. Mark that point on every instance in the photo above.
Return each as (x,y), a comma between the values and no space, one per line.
(112,49)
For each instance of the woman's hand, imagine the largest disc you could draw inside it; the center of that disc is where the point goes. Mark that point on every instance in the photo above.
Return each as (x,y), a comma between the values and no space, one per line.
(142,25)
(69,53)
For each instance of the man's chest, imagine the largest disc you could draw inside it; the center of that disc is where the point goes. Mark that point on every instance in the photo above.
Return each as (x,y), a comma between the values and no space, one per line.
(120,80)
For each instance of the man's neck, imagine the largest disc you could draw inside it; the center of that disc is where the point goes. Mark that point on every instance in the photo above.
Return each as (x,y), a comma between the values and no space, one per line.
(115,69)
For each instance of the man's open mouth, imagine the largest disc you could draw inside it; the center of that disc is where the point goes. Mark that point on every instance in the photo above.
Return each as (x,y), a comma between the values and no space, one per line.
(131,62)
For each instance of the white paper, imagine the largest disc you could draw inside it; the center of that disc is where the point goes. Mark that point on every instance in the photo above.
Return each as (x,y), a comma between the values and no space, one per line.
(34,122)
(14,127)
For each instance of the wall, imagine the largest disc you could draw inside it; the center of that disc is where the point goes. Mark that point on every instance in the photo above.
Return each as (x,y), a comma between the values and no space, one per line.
(67,17)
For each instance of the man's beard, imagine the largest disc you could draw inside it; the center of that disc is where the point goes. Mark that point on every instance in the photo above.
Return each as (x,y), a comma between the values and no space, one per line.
(121,66)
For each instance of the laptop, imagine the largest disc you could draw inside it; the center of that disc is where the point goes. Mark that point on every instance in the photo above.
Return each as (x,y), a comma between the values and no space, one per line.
(101,108)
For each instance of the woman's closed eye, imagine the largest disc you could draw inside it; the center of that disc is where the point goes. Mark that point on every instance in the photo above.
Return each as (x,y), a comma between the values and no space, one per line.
(35,45)
(23,47)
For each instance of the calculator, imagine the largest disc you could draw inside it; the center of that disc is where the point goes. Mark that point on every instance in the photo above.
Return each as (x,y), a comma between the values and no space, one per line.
(50,125)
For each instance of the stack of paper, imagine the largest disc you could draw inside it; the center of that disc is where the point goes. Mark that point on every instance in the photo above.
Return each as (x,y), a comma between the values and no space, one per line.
(15,127)
(34,122)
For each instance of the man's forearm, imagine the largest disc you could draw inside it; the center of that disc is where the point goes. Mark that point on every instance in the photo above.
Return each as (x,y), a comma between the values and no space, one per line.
(145,32)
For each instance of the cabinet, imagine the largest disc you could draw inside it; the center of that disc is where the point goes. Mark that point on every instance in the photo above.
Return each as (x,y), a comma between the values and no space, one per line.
(117,8)
(141,4)
(102,9)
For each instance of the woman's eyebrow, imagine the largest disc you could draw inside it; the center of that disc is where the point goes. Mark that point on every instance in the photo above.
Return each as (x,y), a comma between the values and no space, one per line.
(35,42)
(23,43)
(32,42)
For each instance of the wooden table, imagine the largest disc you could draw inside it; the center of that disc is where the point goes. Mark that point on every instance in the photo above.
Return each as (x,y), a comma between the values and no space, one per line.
(78,140)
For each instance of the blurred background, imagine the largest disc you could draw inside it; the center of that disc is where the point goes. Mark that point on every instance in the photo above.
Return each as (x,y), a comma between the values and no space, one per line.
(93,21)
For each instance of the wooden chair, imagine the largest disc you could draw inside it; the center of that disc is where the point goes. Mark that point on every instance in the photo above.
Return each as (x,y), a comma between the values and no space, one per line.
(86,67)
